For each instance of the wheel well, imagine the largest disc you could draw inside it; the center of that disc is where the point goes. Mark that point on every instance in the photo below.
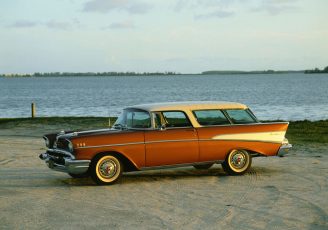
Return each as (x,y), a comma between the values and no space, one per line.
(128,165)
(255,154)
(251,152)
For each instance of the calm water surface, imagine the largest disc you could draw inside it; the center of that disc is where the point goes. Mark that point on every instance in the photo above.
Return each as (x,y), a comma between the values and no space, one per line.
(278,96)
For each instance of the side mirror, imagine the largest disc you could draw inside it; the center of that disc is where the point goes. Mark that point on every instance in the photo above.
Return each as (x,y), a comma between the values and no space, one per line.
(163,127)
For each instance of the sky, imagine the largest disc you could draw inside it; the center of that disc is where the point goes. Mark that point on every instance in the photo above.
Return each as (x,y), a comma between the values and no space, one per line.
(185,36)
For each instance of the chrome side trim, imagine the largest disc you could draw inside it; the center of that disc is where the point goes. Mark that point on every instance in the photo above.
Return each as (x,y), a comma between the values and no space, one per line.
(243,140)
(137,143)
(262,132)
(122,144)
(163,141)
(182,140)
(180,165)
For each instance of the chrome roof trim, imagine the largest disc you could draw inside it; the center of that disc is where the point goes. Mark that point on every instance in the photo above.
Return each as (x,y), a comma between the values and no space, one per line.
(188,105)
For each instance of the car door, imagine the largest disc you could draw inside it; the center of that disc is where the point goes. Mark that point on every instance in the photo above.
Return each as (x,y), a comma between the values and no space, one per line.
(176,143)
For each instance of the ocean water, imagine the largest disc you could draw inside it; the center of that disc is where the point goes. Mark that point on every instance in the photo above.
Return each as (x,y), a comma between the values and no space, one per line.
(270,96)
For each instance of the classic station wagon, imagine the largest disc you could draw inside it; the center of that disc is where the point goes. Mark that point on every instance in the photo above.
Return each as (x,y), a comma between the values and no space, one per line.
(152,136)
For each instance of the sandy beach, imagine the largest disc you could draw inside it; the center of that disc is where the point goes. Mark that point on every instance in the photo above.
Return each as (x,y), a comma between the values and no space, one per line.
(277,193)
(189,82)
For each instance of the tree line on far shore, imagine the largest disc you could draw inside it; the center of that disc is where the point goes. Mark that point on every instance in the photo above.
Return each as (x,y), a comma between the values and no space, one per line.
(317,70)
(87,74)
(213,72)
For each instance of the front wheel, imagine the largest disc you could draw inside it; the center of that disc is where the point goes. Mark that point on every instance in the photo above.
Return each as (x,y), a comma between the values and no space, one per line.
(106,169)
(237,162)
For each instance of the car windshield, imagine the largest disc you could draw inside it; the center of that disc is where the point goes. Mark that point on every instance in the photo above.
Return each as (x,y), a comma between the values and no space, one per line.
(133,118)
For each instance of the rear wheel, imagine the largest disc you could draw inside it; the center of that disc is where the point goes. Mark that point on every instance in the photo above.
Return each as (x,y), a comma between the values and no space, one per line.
(237,162)
(106,169)
(205,166)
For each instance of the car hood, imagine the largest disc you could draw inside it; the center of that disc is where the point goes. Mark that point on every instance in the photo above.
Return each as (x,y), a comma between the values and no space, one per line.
(73,134)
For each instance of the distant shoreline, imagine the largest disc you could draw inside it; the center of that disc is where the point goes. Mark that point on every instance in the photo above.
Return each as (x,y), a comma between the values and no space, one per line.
(119,74)
(231,72)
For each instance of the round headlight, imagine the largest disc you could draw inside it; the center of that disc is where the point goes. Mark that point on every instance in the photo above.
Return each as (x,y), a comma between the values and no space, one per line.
(70,146)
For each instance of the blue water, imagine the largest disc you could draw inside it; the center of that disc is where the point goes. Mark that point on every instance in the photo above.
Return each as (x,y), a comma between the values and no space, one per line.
(276,96)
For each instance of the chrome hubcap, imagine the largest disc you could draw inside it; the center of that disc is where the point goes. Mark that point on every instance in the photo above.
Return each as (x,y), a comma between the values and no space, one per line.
(108,168)
(238,160)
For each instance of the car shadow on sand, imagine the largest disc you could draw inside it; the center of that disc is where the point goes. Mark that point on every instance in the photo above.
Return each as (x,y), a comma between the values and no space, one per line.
(56,179)
(174,174)
(154,175)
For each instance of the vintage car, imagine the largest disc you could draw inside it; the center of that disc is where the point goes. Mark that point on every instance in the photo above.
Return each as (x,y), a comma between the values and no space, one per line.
(152,136)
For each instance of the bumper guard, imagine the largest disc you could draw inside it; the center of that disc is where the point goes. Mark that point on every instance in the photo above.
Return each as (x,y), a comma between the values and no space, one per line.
(283,150)
(64,161)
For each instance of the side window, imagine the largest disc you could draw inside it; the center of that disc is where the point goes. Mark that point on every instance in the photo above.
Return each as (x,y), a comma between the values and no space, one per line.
(176,119)
(239,116)
(210,117)
(137,119)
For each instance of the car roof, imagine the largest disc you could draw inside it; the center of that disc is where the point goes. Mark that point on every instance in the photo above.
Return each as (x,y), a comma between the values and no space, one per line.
(189,105)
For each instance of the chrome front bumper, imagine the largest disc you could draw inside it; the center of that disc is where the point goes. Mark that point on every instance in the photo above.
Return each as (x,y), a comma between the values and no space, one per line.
(64,161)
(283,150)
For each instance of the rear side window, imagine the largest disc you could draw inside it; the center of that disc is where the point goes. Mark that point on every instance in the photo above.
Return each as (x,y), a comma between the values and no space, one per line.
(239,116)
(210,117)
(176,119)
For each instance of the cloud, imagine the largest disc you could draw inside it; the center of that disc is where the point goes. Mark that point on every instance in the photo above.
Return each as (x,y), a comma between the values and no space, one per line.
(205,4)
(51,24)
(226,8)
(58,25)
(275,7)
(215,14)
(121,25)
(23,24)
(105,6)
(206,9)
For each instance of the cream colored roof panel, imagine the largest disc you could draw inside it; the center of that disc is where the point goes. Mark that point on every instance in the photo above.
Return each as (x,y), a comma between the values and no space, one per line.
(190,105)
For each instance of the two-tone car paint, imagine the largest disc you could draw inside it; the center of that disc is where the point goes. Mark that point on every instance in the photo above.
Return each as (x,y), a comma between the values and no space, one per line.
(173,146)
